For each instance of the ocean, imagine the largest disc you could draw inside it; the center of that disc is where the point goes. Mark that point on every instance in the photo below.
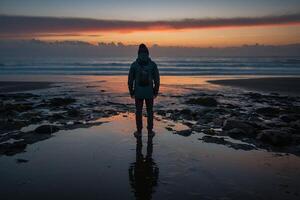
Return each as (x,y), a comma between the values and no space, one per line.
(277,66)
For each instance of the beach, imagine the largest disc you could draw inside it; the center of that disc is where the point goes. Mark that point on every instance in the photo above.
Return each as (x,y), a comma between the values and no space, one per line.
(19,86)
(283,85)
(222,137)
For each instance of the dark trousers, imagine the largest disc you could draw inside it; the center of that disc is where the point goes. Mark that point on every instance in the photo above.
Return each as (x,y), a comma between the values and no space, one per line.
(139,113)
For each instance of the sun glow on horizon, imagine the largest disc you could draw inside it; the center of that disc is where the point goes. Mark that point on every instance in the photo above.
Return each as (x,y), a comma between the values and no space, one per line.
(221,37)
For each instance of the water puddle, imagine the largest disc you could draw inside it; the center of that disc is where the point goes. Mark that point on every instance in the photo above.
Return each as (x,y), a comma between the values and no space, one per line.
(108,162)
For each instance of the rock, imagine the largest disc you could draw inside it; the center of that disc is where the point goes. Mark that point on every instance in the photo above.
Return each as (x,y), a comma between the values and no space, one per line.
(185,133)
(197,128)
(244,147)
(289,118)
(236,133)
(222,141)
(238,124)
(57,116)
(209,131)
(56,102)
(207,117)
(9,125)
(12,148)
(218,122)
(268,111)
(295,109)
(186,111)
(296,139)
(169,128)
(203,101)
(186,114)
(46,129)
(275,137)
(161,112)
(73,112)
(296,125)
(10,108)
(254,95)
(211,139)
(20,160)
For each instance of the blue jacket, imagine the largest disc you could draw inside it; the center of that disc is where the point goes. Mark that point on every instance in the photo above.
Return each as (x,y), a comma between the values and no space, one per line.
(148,91)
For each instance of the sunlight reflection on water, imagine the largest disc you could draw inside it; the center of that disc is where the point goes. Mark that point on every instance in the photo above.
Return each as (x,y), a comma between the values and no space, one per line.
(106,161)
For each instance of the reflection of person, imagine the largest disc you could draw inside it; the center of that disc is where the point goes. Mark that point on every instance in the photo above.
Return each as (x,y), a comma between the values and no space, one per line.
(143,85)
(143,173)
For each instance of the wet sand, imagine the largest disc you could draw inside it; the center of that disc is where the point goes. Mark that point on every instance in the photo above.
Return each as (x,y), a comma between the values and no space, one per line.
(20,86)
(284,85)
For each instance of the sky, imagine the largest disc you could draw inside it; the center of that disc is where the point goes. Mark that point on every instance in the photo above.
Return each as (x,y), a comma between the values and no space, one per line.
(164,22)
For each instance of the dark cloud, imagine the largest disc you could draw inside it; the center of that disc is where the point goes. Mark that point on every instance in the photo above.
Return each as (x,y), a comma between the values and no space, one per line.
(20,25)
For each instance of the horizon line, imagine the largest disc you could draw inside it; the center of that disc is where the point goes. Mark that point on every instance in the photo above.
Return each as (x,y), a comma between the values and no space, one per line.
(121,44)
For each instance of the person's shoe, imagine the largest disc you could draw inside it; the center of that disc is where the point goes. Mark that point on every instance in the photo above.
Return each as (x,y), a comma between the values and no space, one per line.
(137,134)
(151,133)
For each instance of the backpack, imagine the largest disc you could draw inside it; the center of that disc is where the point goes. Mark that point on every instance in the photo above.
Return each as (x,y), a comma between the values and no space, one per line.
(144,77)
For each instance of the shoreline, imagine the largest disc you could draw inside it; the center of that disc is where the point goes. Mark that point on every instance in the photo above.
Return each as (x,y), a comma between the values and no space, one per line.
(21,86)
(283,85)
(287,85)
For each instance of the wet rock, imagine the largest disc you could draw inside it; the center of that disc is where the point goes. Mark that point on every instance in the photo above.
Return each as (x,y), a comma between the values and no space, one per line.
(58,116)
(197,128)
(46,129)
(295,109)
(211,139)
(161,112)
(207,117)
(230,106)
(203,101)
(186,111)
(296,139)
(239,125)
(20,160)
(268,111)
(73,112)
(185,133)
(254,95)
(12,148)
(12,109)
(289,118)
(209,131)
(187,114)
(169,128)
(57,102)
(236,133)
(275,137)
(218,122)
(244,147)
(8,125)
(222,141)
(296,125)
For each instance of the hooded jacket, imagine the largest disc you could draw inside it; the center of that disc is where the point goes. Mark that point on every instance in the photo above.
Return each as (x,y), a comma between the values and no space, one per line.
(143,92)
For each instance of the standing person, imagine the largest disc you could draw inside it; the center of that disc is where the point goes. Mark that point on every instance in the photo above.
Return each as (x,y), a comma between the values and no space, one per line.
(143,85)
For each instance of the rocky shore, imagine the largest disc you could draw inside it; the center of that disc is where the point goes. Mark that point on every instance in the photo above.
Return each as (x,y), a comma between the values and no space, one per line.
(267,121)
(258,120)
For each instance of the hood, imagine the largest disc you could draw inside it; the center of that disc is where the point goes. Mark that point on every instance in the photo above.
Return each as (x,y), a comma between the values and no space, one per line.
(143,58)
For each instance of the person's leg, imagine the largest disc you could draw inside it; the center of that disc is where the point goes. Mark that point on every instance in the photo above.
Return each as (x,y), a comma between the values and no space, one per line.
(149,106)
(138,114)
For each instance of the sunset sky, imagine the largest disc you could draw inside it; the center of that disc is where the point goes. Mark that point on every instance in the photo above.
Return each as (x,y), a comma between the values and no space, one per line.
(169,23)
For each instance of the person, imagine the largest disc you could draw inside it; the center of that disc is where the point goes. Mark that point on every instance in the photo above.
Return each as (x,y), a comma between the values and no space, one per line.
(143,85)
